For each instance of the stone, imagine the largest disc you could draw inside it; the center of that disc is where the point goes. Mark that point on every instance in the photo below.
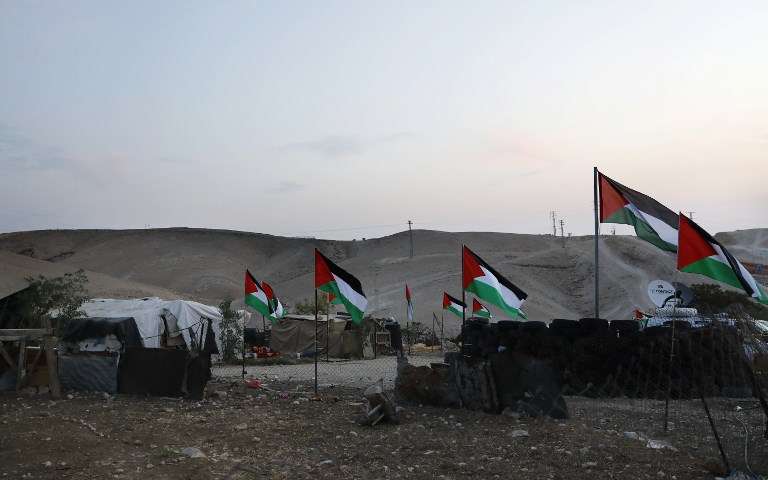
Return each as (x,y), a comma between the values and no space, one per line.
(518,433)
(192,452)
(241,426)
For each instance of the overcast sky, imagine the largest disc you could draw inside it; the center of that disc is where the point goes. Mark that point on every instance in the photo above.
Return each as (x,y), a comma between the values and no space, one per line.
(345,119)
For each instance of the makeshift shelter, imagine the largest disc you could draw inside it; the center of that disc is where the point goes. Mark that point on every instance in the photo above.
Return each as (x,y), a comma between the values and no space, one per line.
(295,334)
(143,346)
(180,322)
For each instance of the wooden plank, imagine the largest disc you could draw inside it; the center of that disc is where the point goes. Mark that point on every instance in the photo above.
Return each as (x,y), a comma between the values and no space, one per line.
(25,332)
(6,356)
(20,364)
(53,367)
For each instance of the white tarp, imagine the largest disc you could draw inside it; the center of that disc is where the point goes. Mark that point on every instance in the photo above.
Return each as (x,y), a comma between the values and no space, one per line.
(189,317)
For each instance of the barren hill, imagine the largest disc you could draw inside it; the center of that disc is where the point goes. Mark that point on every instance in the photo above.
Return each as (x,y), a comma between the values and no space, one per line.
(207,265)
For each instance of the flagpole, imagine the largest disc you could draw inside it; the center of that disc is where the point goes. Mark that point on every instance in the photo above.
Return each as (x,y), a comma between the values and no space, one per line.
(597,236)
(246,309)
(442,330)
(463,297)
(315,342)
(327,330)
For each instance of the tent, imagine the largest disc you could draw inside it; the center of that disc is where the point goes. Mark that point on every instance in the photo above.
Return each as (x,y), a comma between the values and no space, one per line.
(185,320)
(294,334)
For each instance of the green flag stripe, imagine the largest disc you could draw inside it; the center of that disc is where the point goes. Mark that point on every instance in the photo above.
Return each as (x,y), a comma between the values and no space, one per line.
(491,295)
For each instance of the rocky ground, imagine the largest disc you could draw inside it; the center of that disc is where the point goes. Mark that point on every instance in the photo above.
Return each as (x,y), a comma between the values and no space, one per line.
(282,433)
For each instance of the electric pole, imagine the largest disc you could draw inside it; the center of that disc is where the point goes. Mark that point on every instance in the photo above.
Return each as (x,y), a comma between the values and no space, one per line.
(690,215)
(562,228)
(553,216)
(410,234)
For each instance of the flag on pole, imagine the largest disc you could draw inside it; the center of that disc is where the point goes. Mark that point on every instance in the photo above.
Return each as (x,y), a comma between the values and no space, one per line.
(489,285)
(276,307)
(333,299)
(453,305)
(479,310)
(255,296)
(410,302)
(329,277)
(699,252)
(653,222)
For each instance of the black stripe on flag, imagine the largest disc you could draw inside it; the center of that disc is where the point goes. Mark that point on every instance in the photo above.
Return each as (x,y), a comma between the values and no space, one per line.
(646,204)
(456,301)
(348,278)
(502,280)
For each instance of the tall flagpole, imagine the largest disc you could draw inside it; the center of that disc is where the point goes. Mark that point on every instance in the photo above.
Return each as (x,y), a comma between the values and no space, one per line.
(463,297)
(597,237)
(315,342)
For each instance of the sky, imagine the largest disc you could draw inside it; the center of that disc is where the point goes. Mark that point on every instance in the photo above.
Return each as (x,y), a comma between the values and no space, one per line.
(345,119)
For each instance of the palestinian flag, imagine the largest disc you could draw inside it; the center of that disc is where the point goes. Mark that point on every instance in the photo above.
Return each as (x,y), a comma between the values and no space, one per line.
(333,299)
(700,253)
(653,222)
(409,302)
(331,278)
(274,303)
(255,296)
(453,305)
(479,310)
(489,285)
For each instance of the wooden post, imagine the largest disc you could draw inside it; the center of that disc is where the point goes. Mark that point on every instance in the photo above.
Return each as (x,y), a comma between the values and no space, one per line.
(20,364)
(53,366)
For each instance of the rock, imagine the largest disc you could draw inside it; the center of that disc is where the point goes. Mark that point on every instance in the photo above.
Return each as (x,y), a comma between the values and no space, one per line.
(518,433)
(325,463)
(589,464)
(660,444)
(48,464)
(192,452)
(509,412)
(241,426)
(632,435)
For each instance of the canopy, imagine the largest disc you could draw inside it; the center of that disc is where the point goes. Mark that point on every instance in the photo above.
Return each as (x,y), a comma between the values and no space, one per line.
(182,316)
(124,328)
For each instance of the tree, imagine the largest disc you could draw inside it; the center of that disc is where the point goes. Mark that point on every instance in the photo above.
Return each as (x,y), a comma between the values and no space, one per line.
(231,331)
(710,299)
(307,306)
(49,299)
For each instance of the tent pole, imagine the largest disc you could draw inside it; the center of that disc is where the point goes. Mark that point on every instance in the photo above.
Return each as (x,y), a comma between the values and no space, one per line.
(714,431)
(597,237)
(315,342)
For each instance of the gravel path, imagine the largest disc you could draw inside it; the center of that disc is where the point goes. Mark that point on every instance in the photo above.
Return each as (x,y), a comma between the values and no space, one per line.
(345,373)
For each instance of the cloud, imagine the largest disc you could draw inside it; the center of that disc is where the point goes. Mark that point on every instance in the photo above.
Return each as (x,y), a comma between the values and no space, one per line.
(339,146)
(21,153)
(287,186)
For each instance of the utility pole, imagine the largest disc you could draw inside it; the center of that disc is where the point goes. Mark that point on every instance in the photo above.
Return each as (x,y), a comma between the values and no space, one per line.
(562,227)
(410,233)
(553,216)
(690,215)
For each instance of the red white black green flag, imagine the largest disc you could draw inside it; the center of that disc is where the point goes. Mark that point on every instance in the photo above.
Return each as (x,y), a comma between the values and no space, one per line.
(699,252)
(255,296)
(275,306)
(479,310)
(653,222)
(409,302)
(489,285)
(331,278)
(453,305)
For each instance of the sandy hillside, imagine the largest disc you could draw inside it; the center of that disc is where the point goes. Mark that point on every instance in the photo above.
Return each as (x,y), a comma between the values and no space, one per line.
(99,284)
(207,265)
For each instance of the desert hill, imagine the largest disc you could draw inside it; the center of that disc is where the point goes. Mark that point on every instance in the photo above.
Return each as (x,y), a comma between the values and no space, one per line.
(207,265)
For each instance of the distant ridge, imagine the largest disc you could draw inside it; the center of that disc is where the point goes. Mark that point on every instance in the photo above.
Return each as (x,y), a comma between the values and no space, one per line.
(207,265)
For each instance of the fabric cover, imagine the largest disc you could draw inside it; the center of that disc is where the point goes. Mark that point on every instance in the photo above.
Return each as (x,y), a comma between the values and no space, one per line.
(89,372)
(291,335)
(148,315)
(124,328)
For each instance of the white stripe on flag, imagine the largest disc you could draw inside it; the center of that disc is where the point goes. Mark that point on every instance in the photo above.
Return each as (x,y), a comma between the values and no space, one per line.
(507,295)
(666,233)
(359,301)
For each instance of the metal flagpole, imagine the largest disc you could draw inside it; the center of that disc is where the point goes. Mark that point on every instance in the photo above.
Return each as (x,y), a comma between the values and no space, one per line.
(442,331)
(463,298)
(597,236)
(244,372)
(327,330)
(315,342)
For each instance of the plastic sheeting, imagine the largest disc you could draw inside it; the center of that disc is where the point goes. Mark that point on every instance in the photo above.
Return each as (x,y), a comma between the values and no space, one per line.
(293,335)
(89,372)
(148,313)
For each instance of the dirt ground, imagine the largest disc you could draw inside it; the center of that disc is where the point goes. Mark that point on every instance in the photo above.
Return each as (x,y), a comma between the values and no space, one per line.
(281,433)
